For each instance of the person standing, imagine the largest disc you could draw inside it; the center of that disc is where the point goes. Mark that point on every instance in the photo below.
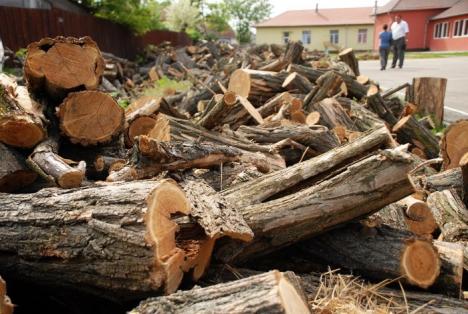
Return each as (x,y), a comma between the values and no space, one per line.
(400,32)
(384,47)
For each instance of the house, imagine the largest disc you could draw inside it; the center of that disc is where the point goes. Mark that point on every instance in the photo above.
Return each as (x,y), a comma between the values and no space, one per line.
(433,24)
(344,27)
(64,5)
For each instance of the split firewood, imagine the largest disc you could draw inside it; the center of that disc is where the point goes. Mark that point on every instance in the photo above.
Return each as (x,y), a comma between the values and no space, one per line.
(22,122)
(328,85)
(63,64)
(348,57)
(332,114)
(6,307)
(46,162)
(387,253)
(90,118)
(454,144)
(116,238)
(292,54)
(429,94)
(270,292)
(378,180)
(14,174)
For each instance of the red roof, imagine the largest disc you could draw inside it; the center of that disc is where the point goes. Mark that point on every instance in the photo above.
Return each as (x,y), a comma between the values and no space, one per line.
(408,5)
(460,8)
(342,16)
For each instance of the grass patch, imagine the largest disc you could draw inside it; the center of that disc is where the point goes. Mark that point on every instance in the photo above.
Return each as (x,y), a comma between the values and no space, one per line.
(166,86)
(430,55)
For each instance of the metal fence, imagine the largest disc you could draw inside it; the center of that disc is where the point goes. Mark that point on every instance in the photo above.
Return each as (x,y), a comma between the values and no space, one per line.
(19,27)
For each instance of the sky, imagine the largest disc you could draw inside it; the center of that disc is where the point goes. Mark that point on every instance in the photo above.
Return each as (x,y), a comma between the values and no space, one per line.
(279,6)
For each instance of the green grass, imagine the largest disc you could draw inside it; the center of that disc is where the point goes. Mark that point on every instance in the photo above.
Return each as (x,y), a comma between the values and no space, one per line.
(165,84)
(429,55)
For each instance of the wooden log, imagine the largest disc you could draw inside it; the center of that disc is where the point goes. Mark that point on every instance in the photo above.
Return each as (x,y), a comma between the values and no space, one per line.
(428,95)
(449,179)
(328,85)
(90,118)
(348,57)
(410,129)
(297,82)
(6,307)
(292,54)
(22,123)
(453,144)
(61,65)
(378,105)
(464,170)
(45,161)
(270,292)
(114,239)
(14,174)
(189,103)
(255,85)
(362,118)
(217,109)
(332,114)
(256,191)
(318,138)
(376,181)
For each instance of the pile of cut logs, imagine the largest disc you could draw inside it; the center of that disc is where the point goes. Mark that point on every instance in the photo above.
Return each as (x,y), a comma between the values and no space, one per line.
(271,150)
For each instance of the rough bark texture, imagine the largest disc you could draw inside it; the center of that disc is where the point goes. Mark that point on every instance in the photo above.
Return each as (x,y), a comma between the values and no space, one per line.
(332,114)
(61,65)
(376,181)
(348,57)
(328,85)
(22,123)
(270,292)
(428,95)
(449,179)
(90,118)
(258,190)
(298,83)
(292,54)
(362,118)
(454,144)
(378,105)
(14,174)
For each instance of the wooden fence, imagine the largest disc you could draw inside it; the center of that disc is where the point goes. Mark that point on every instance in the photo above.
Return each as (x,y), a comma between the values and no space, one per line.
(19,27)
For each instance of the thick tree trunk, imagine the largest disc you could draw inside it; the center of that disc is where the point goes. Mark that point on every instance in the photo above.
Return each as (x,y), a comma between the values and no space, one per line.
(454,144)
(258,190)
(376,181)
(90,118)
(6,307)
(116,237)
(22,123)
(348,57)
(61,65)
(270,292)
(428,95)
(14,174)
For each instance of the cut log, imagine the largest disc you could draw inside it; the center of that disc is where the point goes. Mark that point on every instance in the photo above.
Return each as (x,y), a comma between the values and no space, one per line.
(256,85)
(378,105)
(270,292)
(189,103)
(259,190)
(313,118)
(464,170)
(411,130)
(90,118)
(114,239)
(6,307)
(328,85)
(61,65)
(348,57)
(292,54)
(378,180)
(14,174)
(45,161)
(454,144)
(382,253)
(298,83)
(217,109)
(22,123)
(332,114)
(362,118)
(428,95)
(449,179)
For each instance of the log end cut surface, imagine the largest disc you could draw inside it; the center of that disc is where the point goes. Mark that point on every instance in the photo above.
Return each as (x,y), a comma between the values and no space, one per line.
(420,263)
(239,83)
(90,117)
(20,133)
(454,144)
(140,126)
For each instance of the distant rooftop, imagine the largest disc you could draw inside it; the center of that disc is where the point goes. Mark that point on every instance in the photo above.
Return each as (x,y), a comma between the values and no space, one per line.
(460,8)
(321,17)
(408,5)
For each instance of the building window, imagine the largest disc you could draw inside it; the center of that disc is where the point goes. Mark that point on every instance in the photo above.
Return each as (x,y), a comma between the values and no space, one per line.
(306,38)
(362,36)
(441,30)
(460,28)
(286,37)
(334,36)
(465,28)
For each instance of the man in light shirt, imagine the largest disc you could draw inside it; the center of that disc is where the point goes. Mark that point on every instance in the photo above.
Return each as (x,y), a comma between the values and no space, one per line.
(400,31)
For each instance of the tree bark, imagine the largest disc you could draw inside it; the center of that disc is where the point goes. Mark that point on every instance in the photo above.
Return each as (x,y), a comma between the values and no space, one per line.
(328,85)
(449,179)
(332,115)
(270,292)
(429,95)
(292,54)
(116,237)
(362,118)
(189,103)
(258,190)
(217,110)
(22,123)
(348,57)
(90,118)
(298,83)
(376,181)
(378,105)
(61,65)
(454,144)
(14,174)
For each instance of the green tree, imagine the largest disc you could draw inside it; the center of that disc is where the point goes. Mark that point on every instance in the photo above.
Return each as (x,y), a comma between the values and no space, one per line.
(244,13)
(182,15)
(139,15)
(218,17)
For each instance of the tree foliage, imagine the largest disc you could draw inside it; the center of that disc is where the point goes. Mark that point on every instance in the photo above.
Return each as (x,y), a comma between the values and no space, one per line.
(182,15)
(139,15)
(244,13)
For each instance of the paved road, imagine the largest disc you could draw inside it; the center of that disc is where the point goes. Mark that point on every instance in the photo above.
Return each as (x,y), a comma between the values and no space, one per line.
(455,69)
